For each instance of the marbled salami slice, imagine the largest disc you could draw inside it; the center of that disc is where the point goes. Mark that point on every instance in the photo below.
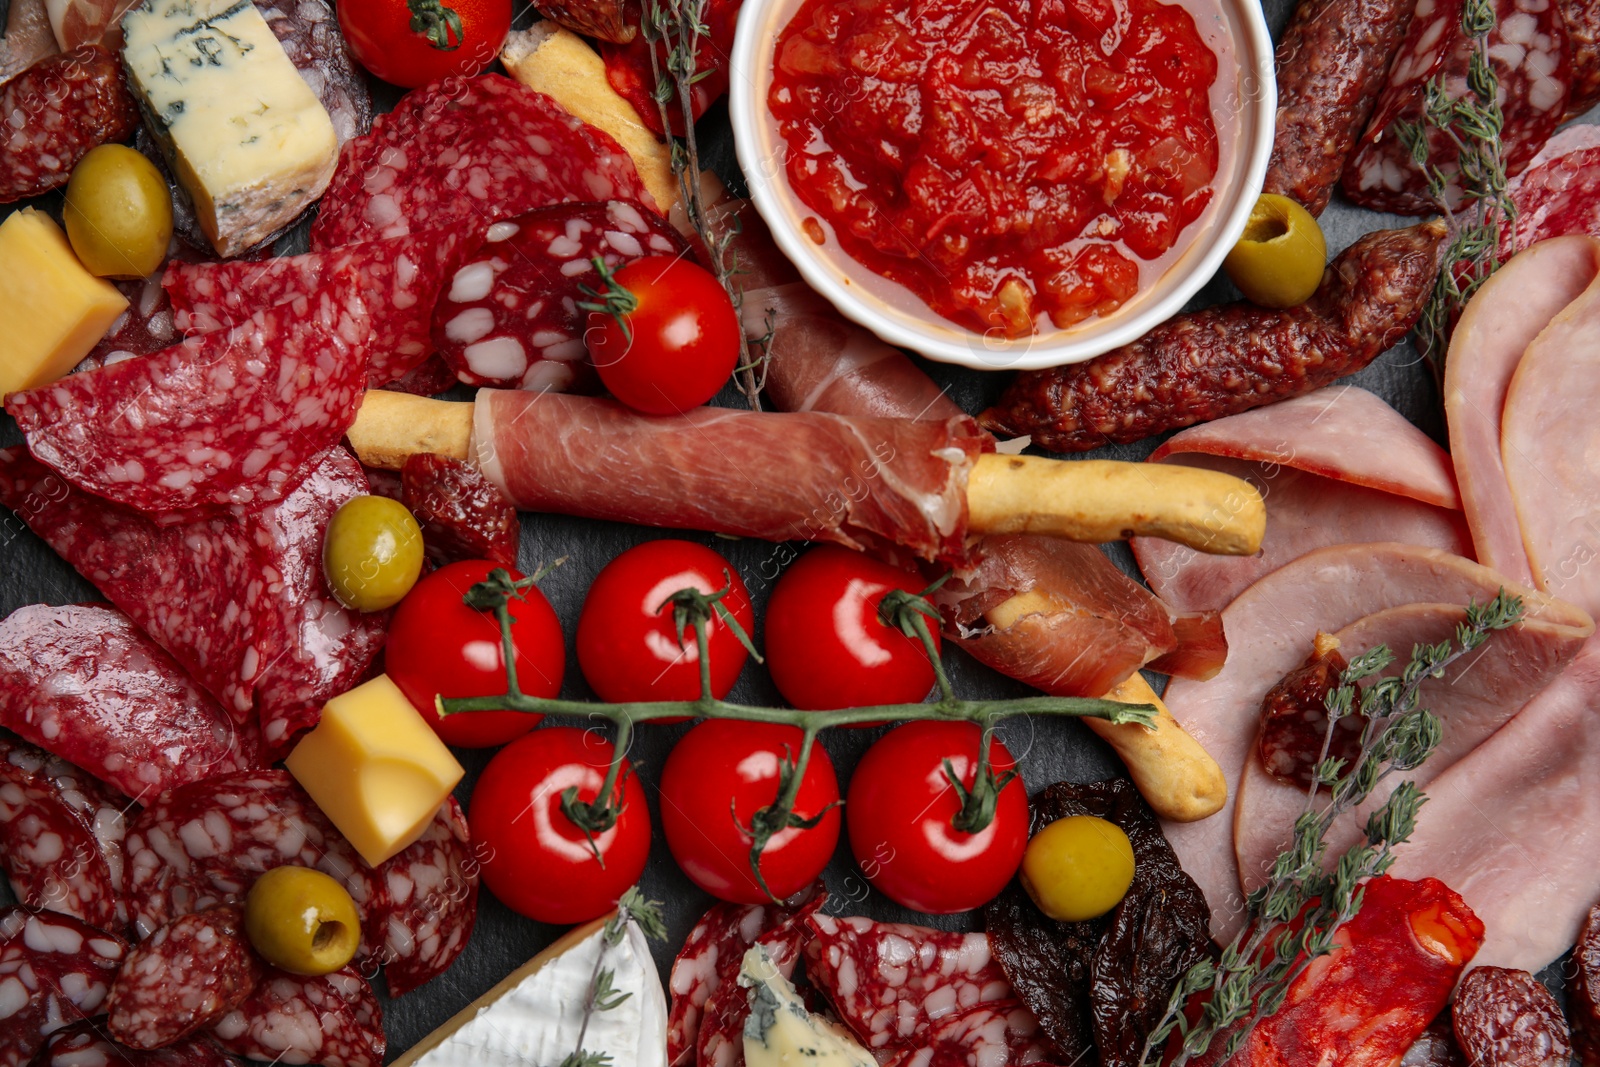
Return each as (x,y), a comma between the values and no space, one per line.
(893,983)
(510,317)
(1528,49)
(428,902)
(462,515)
(400,280)
(84,683)
(310,35)
(83,1045)
(1560,193)
(333,1020)
(145,328)
(1000,1033)
(182,978)
(54,971)
(48,848)
(54,112)
(231,417)
(462,151)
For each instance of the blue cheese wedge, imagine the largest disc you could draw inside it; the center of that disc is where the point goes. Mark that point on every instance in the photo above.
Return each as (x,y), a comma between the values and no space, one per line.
(533,1018)
(246,137)
(780,1032)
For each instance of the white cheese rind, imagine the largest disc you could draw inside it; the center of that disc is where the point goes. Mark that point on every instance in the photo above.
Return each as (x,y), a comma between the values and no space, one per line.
(780,1032)
(245,135)
(537,1020)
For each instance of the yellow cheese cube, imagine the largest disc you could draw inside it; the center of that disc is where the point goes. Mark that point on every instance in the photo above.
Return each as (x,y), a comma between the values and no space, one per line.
(375,768)
(52,310)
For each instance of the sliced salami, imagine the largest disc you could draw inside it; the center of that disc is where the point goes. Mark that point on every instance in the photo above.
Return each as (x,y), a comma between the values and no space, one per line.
(54,971)
(231,417)
(84,1045)
(509,316)
(54,112)
(1505,1018)
(463,516)
(310,35)
(1560,193)
(51,856)
(711,956)
(400,279)
(145,328)
(1528,49)
(464,150)
(428,902)
(84,683)
(183,978)
(720,1042)
(333,1020)
(1583,36)
(1001,1033)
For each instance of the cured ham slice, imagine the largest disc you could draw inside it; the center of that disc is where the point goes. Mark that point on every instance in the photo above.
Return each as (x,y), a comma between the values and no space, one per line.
(862,483)
(27,38)
(1549,442)
(1498,325)
(1275,622)
(78,22)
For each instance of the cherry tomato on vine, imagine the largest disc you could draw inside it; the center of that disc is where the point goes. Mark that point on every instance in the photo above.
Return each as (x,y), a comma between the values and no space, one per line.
(454,37)
(900,814)
(681,340)
(627,640)
(438,646)
(721,761)
(536,859)
(826,646)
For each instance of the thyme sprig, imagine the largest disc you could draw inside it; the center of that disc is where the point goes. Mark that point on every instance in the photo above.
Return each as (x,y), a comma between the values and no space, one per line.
(603,993)
(911,613)
(1472,123)
(676,27)
(1293,918)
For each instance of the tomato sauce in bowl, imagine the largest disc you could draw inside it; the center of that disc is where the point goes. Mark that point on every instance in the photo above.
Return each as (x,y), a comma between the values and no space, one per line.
(1018,168)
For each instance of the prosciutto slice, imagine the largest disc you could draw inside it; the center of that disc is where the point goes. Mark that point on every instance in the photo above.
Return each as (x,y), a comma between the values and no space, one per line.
(863,483)
(1499,324)
(27,38)
(1276,620)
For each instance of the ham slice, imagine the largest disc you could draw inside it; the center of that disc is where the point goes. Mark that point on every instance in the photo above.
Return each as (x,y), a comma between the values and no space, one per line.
(80,22)
(27,38)
(1549,445)
(1474,699)
(1498,325)
(1273,624)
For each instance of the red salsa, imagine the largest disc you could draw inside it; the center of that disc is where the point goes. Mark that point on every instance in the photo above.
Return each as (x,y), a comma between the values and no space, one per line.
(1003,161)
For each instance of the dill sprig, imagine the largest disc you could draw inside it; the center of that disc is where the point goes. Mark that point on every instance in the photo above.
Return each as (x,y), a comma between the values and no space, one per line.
(1255,971)
(1471,123)
(677,27)
(603,992)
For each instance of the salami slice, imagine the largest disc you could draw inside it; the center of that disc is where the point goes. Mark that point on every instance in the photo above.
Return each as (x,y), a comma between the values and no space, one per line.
(51,856)
(720,1042)
(183,978)
(1505,1018)
(711,956)
(892,983)
(464,150)
(54,112)
(145,328)
(510,317)
(1528,50)
(310,35)
(333,1020)
(429,378)
(54,971)
(429,902)
(1559,193)
(231,417)
(83,1045)
(84,683)
(463,516)
(1001,1033)
(400,279)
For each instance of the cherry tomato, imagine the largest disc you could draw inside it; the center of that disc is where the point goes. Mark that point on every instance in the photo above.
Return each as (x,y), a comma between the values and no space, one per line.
(453,37)
(721,761)
(899,814)
(826,646)
(682,338)
(535,859)
(627,641)
(440,647)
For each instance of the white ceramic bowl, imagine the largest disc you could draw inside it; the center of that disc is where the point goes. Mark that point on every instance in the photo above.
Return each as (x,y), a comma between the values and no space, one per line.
(1244,101)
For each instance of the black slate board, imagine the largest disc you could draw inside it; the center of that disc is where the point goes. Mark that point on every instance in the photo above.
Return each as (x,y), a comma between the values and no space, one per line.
(1049,751)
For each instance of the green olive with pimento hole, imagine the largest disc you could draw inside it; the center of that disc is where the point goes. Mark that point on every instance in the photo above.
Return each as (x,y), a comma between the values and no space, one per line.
(1279,260)
(302,921)
(372,553)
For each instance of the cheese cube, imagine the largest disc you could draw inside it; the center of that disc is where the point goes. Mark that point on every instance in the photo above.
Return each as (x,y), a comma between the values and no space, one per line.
(375,768)
(52,310)
(245,135)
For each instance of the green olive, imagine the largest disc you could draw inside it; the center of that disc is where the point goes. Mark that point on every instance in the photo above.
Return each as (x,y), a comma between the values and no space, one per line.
(372,553)
(118,213)
(1278,263)
(1078,868)
(302,921)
